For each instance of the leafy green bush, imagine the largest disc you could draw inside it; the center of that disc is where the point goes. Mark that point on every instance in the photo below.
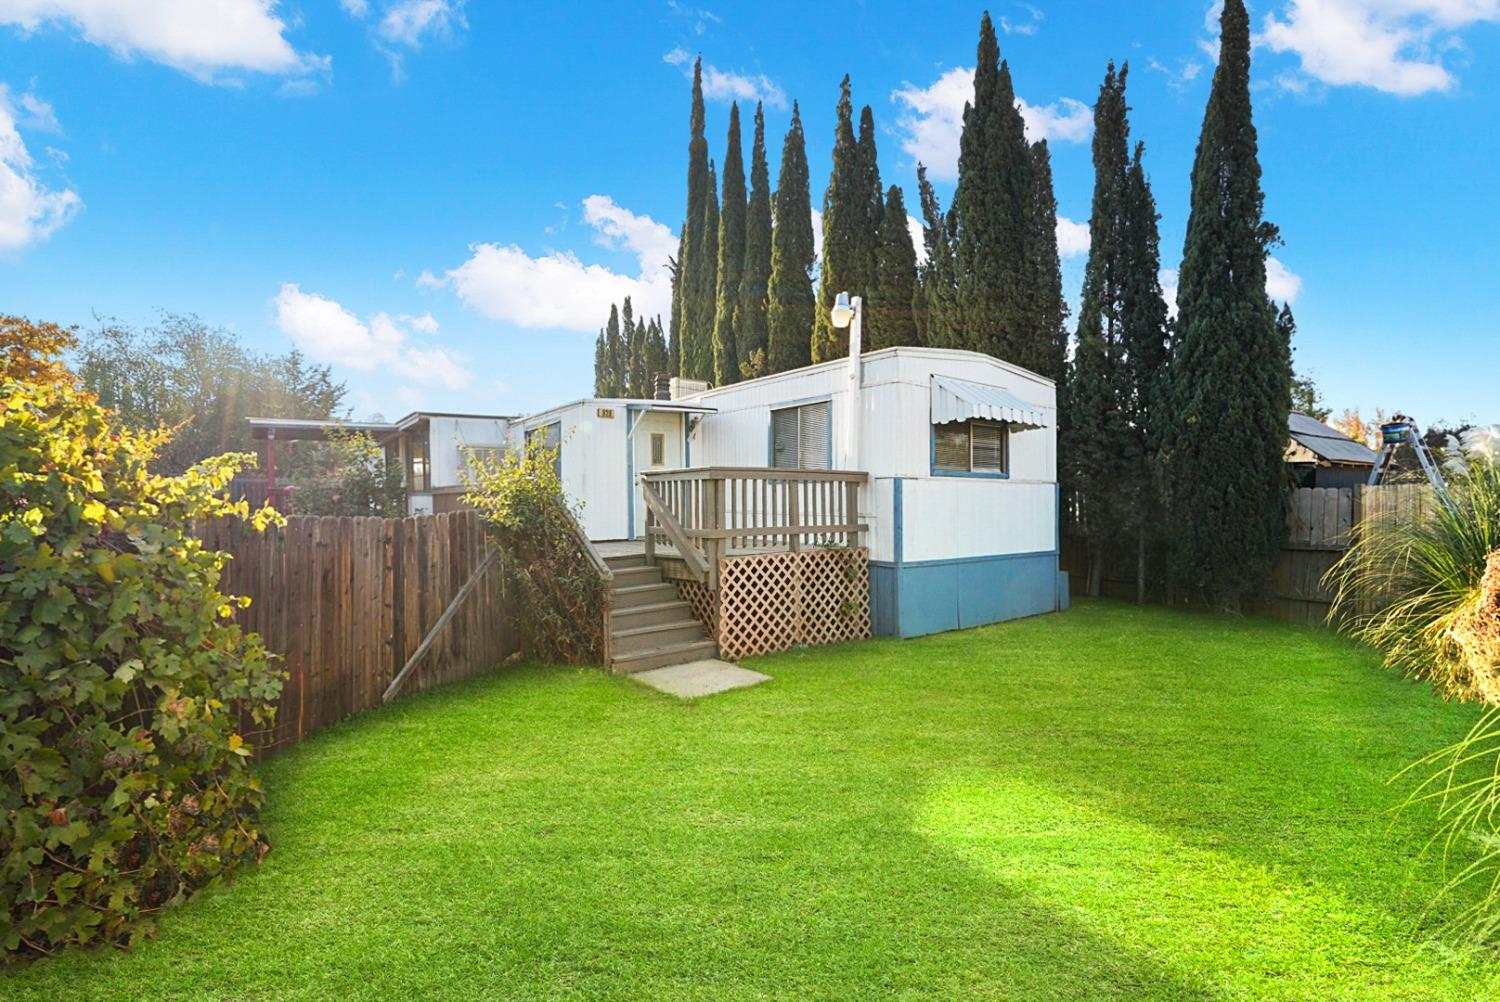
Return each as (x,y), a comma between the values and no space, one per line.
(559,599)
(349,475)
(124,683)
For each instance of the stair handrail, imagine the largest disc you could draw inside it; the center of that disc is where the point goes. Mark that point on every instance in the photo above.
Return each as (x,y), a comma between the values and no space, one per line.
(687,548)
(606,579)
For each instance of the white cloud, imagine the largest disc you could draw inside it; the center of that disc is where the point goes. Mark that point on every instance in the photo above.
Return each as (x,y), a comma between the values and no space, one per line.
(1064,120)
(557,290)
(1072,237)
(355,8)
(1168,279)
(29,210)
(37,114)
(726,85)
(914,227)
(327,332)
(202,38)
(643,236)
(1187,71)
(817,225)
(1394,46)
(934,120)
(410,22)
(1029,26)
(1282,284)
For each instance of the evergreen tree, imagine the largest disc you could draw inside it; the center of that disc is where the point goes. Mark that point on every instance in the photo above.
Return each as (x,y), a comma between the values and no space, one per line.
(939,320)
(992,209)
(636,377)
(674,333)
(1096,450)
(1230,383)
(874,193)
(658,357)
(1144,331)
(890,316)
(731,257)
(601,366)
(750,311)
(614,354)
(1044,349)
(847,254)
(697,255)
(791,306)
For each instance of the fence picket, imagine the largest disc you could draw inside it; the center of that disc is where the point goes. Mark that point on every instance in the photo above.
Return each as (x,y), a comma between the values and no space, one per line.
(346,601)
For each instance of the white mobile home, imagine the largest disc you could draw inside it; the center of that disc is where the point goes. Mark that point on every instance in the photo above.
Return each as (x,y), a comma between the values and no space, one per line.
(959,448)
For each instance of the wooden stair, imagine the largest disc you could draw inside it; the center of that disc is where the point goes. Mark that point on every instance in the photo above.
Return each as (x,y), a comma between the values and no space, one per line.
(650,626)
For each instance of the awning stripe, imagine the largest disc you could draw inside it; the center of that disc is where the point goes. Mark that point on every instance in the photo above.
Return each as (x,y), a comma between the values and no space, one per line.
(958,400)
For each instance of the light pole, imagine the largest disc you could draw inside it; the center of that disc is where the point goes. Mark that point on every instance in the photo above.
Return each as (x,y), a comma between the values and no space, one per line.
(849,313)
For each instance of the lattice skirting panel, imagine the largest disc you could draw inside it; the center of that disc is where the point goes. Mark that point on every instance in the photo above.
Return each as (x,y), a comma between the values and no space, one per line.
(698,596)
(775,601)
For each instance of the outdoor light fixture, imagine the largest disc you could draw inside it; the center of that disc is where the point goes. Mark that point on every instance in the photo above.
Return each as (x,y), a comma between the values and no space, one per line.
(843,311)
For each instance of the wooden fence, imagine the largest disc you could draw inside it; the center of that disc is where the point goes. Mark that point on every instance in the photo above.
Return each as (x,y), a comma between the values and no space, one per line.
(1320,522)
(346,602)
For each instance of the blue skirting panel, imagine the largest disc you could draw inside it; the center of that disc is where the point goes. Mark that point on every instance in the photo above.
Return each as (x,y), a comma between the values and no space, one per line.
(913,599)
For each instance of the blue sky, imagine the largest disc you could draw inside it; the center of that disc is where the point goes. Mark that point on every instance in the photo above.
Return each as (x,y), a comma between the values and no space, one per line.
(440,199)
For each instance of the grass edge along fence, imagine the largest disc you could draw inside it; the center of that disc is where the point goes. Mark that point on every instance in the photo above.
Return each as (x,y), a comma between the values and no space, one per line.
(1320,523)
(345,602)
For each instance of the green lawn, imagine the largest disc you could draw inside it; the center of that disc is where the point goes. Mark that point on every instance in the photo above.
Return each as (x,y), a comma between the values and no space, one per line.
(1112,803)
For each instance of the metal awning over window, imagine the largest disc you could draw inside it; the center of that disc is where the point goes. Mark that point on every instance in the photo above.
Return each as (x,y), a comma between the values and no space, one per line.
(957,400)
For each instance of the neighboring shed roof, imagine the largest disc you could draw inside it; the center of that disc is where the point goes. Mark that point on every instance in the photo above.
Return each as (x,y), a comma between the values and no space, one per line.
(296,428)
(960,400)
(1324,443)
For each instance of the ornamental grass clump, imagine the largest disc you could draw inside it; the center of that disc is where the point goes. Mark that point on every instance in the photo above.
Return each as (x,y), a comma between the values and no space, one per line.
(559,598)
(1423,587)
(126,688)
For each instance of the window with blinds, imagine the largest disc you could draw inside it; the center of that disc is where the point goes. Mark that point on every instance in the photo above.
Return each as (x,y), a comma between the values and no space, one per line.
(801,437)
(971,447)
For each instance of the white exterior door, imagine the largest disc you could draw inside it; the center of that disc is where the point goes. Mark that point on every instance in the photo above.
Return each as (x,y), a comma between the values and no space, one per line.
(656,445)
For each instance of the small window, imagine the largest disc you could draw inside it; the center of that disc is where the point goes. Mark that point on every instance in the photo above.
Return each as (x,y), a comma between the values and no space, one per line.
(418,462)
(801,438)
(658,448)
(971,447)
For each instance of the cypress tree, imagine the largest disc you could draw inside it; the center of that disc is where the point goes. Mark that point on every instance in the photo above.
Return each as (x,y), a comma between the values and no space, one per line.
(636,377)
(601,366)
(1230,382)
(658,359)
(939,323)
(847,256)
(708,281)
(697,254)
(791,307)
(1144,329)
(1096,447)
(992,209)
(750,310)
(1045,348)
(890,319)
(874,193)
(674,333)
(731,258)
(614,354)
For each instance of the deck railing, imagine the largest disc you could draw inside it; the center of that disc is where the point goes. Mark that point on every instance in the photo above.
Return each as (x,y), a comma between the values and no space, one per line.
(711,512)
